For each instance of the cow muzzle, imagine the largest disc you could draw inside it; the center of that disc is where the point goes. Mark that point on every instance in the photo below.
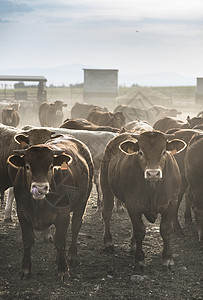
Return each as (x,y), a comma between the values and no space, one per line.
(39,190)
(153,174)
(58,113)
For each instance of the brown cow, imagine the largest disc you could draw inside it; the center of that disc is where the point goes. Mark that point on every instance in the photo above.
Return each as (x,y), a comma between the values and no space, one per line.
(137,126)
(194,175)
(195,121)
(81,110)
(151,114)
(166,123)
(82,124)
(45,195)
(10,117)
(116,120)
(51,114)
(24,139)
(158,111)
(184,135)
(142,173)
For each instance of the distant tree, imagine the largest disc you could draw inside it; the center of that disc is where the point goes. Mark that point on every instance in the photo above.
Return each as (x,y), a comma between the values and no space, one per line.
(76,85)
(19,85)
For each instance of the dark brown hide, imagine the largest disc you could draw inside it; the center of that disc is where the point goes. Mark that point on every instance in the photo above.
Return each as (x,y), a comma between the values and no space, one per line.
(145,176)
(116,120)
(194,176)
(82,124)
(81,110)
(167,123)
(51,114)
(45,196)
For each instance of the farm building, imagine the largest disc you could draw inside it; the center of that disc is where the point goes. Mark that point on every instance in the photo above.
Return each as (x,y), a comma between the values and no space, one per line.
(100,86)
(20,93)
(199,91)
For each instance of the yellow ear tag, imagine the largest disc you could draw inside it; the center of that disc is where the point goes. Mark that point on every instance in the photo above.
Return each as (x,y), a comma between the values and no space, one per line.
(23,144)
(130,150)
(64,166)
(173,151)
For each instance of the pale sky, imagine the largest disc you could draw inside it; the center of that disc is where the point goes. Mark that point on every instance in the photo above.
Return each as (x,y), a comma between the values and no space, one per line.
(134,36)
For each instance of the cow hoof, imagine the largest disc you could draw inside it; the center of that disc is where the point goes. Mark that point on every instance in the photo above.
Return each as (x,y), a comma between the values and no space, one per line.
(139,265)
(168,265)
(8,220)
(25,275)
(109,249)
(73,262)
(63,275)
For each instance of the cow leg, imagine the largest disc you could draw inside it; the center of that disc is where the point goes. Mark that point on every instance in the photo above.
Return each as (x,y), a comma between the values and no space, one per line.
(176,225)
(28,241)
(177,228)
(107,208)
(118,206)
(187,213)
(138,234)
(8,208)
(2,199)
(98,188)
(61,226)
(75,228)
(166,228)
(47,236)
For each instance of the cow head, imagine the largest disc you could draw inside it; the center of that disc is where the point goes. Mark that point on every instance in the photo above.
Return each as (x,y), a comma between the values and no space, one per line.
(7,115)
(119,119)
(35,136)
(171,112)
(195,121)
(58,107)
(38,163)
(152,148)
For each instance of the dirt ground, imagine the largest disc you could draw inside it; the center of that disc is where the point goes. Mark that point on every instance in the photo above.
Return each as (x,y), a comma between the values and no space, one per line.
(100,275)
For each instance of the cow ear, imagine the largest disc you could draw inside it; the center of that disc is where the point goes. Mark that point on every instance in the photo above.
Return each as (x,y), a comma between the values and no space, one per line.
(65,105)
(22,139)
(56,135)
(62,160)
(16,161)
(129,147)
(175,146)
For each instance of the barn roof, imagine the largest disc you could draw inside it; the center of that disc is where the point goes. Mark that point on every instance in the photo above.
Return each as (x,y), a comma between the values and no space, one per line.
(22,78)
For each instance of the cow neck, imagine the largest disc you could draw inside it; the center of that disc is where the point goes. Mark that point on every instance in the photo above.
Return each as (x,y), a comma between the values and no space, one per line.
(151,214)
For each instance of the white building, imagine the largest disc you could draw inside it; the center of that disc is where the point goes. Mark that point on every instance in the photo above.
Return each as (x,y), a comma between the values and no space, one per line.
(100,86)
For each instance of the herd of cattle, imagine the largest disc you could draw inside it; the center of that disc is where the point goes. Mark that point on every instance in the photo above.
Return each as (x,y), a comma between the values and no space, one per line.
(143,159)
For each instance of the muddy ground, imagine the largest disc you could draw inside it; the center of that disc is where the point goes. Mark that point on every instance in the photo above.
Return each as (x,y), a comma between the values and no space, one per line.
(100,275)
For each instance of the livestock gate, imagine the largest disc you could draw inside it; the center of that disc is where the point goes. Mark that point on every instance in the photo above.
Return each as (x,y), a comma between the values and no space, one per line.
(28,96)
(100,86)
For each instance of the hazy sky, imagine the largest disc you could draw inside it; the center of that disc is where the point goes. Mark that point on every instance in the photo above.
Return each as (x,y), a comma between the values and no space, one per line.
(134,36)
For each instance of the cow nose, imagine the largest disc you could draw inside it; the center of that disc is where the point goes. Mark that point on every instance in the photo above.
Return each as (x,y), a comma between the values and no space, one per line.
(58,113)
(39,190)
(153,174)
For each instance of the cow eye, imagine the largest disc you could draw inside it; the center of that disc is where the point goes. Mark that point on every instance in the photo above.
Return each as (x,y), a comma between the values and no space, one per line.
(27,167)
(164,153)
(141,153)
(51,167)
